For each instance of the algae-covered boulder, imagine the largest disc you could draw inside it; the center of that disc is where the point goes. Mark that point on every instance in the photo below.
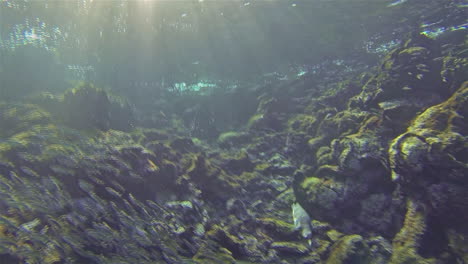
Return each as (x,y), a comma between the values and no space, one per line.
(350,249)
(322,196)
(429,163)
(350,171)
(408,71)
(303,123)
(291,248)
(232,139)
(278,228)
(332,126)
(434,149)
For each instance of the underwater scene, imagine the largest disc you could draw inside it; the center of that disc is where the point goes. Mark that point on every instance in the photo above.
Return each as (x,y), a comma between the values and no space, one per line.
(234,131)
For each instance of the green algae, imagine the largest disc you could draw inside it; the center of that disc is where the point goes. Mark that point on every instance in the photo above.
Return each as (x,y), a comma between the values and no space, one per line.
(350,249)
(290,247)
(277,225)
(407,241)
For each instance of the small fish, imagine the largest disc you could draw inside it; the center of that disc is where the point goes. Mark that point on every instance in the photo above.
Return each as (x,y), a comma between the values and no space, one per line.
(406,88)
(301,220)
(398,2)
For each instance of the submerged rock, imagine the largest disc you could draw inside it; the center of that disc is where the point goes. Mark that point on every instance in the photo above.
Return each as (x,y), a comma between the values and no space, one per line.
(349,249)
(232,139)
(433,152)
(290,248)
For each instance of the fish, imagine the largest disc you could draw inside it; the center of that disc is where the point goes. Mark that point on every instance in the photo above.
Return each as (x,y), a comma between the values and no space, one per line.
(301,220)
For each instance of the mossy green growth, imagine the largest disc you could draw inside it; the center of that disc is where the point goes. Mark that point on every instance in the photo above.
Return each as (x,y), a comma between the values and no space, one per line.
(261,167)
(328,171)
(406,242)
(255,120)
(213,255)
(414,51)
(310,182)
(320,196)
(334,235)
(302,123)
(55,150)
(288,247)
(232,139)
(277,225)
(315,142)
(228,242)
(4,147)
(439,131)
(247,177)
(350,249)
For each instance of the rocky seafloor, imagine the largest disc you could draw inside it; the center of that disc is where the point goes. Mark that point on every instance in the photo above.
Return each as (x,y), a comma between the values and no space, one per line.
(378,161)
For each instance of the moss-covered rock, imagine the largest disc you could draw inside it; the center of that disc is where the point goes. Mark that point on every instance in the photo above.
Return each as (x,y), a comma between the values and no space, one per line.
(213,255)
(321,196)
(304,123)
(233,139)
(407,242)
(293,248)
(436,138)
(278,228)
(350,249)
(227,240)
(407,71)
